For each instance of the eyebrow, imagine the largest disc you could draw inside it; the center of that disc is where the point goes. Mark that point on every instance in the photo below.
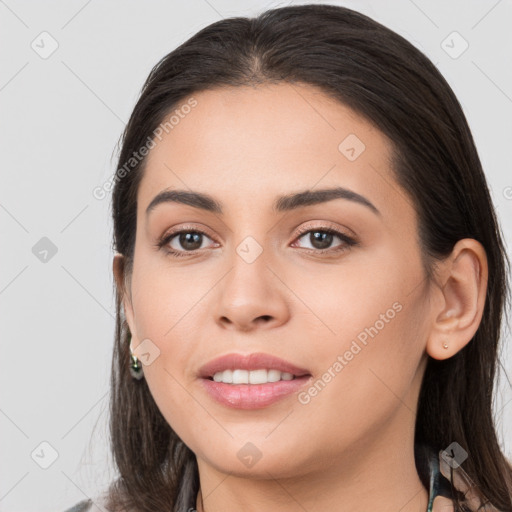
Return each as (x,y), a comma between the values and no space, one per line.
(281,204)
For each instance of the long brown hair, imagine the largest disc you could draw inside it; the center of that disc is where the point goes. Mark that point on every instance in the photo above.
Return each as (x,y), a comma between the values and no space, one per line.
(385,79)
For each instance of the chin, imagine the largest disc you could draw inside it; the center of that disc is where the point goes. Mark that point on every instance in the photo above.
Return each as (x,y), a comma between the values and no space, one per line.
(258,461)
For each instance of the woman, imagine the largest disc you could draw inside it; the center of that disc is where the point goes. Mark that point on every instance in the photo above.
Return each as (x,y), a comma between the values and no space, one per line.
(310,279)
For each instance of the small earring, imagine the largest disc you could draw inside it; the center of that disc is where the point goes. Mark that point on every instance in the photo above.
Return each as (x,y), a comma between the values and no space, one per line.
(136,368)
(445,345)
(135,365)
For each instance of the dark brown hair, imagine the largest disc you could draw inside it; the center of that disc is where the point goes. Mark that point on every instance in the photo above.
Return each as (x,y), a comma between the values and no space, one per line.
(385,79)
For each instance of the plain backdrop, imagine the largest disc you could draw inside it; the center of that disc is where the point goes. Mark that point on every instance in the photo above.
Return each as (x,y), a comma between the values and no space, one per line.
(70,75)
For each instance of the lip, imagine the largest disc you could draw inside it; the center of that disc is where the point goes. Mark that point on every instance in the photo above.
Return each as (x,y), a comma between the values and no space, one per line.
(255,361)
(251,396)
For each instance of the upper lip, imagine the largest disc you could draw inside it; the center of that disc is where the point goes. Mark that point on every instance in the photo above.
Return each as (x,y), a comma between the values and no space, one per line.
(254,361)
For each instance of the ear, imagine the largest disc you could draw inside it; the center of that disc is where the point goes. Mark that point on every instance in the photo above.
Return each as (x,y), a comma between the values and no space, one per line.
(119,269)
(462,292)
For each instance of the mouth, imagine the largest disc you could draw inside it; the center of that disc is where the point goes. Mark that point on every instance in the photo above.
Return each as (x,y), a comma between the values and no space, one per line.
(251,381)
(255,368)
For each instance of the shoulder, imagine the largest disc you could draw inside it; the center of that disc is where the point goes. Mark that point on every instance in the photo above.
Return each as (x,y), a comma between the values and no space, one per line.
(81,506)
(96,504)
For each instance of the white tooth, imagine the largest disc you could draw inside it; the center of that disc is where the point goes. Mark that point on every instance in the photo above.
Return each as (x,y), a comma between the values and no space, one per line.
(257,376)
(273,375)
(240,377)
(261,376)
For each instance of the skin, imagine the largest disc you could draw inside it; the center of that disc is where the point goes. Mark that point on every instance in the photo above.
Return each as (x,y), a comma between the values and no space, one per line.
(351,447)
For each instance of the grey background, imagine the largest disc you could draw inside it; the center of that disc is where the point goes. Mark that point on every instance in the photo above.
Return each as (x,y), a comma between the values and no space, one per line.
(60,121)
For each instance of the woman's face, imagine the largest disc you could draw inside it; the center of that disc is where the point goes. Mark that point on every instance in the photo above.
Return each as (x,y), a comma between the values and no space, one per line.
(349,311)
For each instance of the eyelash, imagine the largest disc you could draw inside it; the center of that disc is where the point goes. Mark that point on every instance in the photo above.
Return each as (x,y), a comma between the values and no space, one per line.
(162,243)
(347,241)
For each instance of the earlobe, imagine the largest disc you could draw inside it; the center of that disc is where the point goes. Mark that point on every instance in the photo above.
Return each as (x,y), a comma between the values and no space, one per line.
(463,289)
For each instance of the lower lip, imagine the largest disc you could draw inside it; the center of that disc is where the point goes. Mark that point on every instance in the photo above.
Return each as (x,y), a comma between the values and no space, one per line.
(253,396)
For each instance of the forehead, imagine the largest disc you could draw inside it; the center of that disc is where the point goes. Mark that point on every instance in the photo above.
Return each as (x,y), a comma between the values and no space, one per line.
(246,144)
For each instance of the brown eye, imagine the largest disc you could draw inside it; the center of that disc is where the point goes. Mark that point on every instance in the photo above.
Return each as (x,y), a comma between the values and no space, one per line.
(321,240)
(189,240)
(180,243)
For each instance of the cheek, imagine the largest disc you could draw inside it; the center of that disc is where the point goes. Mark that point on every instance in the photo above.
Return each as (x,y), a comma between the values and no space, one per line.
(170,311)
(364,384)
(359,298)
(370,361)
(164,297)
(370,339)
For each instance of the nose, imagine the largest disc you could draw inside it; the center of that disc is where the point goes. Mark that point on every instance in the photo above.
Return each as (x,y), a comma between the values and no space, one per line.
(251,295)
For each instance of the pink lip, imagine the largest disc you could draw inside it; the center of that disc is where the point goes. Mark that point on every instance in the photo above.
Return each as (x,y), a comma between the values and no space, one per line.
(255,361)
(251,396)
